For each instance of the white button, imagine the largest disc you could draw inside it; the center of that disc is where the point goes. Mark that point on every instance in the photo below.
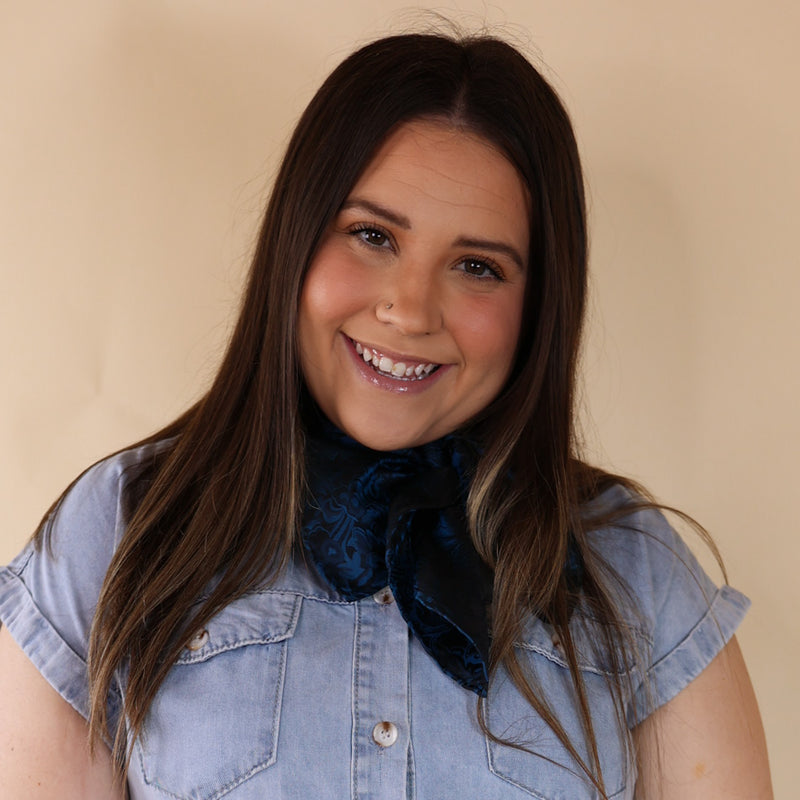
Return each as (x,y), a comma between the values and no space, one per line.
(384,596)
(385,734)
(198,640)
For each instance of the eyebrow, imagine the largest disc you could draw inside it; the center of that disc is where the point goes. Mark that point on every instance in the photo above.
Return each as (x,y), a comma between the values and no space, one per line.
(379,211)
(405,223)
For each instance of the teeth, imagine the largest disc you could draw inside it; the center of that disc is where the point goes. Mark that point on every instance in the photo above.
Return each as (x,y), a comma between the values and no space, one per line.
(397,369)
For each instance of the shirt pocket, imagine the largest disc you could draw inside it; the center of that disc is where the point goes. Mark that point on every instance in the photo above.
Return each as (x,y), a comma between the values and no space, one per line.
(545,769)
(214,721)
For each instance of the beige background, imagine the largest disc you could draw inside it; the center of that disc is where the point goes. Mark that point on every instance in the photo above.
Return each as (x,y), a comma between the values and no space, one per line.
(136,144)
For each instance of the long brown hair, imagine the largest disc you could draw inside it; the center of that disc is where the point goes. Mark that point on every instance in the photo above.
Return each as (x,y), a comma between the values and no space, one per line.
(220,504)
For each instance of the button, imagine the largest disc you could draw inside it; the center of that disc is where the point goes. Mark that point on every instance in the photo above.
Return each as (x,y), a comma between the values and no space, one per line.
(385,734)
(384,597)
(198,640)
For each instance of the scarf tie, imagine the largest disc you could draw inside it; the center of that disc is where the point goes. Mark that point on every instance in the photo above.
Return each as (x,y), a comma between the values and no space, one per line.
(375,519)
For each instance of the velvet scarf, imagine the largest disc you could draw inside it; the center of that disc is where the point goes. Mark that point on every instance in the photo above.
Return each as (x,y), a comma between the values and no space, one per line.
(375,519)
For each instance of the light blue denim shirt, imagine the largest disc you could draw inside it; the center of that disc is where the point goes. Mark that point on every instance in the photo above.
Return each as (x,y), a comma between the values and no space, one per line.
(291,693)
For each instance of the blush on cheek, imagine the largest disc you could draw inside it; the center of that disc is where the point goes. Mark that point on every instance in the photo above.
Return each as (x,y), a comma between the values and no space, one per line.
(490,331)
(330,293)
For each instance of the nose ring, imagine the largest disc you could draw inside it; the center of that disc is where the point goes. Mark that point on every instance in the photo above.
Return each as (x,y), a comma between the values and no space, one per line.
(389,305)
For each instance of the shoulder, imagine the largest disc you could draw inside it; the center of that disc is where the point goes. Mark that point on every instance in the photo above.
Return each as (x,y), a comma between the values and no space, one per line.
(54,583)
(92,510)
(662,591)
(49,593)
(647,555)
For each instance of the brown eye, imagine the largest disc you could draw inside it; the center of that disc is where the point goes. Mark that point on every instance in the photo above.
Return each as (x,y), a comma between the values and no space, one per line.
(374,237)
(478,268)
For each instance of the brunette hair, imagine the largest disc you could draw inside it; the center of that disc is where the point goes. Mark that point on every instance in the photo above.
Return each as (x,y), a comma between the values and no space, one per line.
(223,498)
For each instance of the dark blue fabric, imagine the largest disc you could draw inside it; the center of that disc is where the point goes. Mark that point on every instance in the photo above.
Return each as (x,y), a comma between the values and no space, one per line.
(376,519)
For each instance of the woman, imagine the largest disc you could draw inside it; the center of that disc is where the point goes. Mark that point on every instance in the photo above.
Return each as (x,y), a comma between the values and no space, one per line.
(369,562)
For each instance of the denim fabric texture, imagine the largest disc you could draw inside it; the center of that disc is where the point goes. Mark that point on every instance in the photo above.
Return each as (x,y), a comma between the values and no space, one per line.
(286,693)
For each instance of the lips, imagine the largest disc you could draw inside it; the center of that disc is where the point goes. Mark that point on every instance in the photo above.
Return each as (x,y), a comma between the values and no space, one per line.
(401,369)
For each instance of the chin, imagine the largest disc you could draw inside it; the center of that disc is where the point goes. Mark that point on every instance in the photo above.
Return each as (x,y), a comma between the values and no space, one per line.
(378,437)
(386,442)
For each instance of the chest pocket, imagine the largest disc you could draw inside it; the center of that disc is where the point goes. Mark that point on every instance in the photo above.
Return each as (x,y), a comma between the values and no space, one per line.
(548,771)
(214,722)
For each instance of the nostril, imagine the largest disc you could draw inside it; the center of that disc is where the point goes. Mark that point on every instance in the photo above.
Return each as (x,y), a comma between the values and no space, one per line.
(412,317)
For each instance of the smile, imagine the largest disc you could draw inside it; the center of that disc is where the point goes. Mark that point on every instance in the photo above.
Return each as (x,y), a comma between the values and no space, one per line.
(406,370)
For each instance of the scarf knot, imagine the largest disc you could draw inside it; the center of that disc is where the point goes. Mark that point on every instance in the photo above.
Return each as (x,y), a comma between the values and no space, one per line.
(375,519)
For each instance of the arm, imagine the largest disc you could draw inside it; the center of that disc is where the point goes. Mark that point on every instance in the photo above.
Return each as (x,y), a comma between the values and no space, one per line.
(44,752)
(708,741)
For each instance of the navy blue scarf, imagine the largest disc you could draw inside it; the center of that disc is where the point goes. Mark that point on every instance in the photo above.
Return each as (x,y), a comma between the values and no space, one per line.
(377,519)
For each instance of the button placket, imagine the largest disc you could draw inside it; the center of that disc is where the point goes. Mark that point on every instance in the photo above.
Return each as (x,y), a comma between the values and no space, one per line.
(380,688)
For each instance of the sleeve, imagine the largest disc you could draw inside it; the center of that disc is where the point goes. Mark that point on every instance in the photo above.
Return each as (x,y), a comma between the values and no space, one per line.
(48,594)
(683,619)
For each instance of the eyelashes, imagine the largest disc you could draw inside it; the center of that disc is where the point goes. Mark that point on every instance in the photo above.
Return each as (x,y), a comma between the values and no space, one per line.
(481,269)
(478,268)
(371,236)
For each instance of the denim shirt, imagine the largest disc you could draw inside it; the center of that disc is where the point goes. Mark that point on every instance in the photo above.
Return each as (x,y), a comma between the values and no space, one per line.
(291,692)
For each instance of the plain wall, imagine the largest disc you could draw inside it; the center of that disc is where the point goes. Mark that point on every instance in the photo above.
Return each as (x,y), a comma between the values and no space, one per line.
(137,143)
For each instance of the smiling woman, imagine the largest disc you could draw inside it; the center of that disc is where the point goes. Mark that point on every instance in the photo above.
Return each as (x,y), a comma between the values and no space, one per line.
(370,562)
(410,313)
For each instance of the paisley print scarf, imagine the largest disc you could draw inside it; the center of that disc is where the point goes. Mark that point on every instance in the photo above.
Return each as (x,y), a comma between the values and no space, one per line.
(375,519)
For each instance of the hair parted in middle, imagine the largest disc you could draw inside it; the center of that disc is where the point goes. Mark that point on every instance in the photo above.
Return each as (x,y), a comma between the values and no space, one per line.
(232,476)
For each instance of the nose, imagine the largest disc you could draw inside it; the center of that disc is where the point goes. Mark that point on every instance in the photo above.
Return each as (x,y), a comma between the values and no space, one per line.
(411,302)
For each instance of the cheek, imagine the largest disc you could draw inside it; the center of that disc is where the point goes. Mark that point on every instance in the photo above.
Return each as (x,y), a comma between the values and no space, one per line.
(331,293)
(488,333)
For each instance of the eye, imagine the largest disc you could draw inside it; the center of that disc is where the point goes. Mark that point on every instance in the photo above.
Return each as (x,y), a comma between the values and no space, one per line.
(481,269)
(371,236)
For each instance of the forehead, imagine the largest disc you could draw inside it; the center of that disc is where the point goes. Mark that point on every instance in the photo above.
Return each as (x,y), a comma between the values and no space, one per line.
(436,167)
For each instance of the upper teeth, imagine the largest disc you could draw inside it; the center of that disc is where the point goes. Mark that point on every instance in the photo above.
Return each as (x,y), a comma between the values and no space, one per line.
(398,369)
